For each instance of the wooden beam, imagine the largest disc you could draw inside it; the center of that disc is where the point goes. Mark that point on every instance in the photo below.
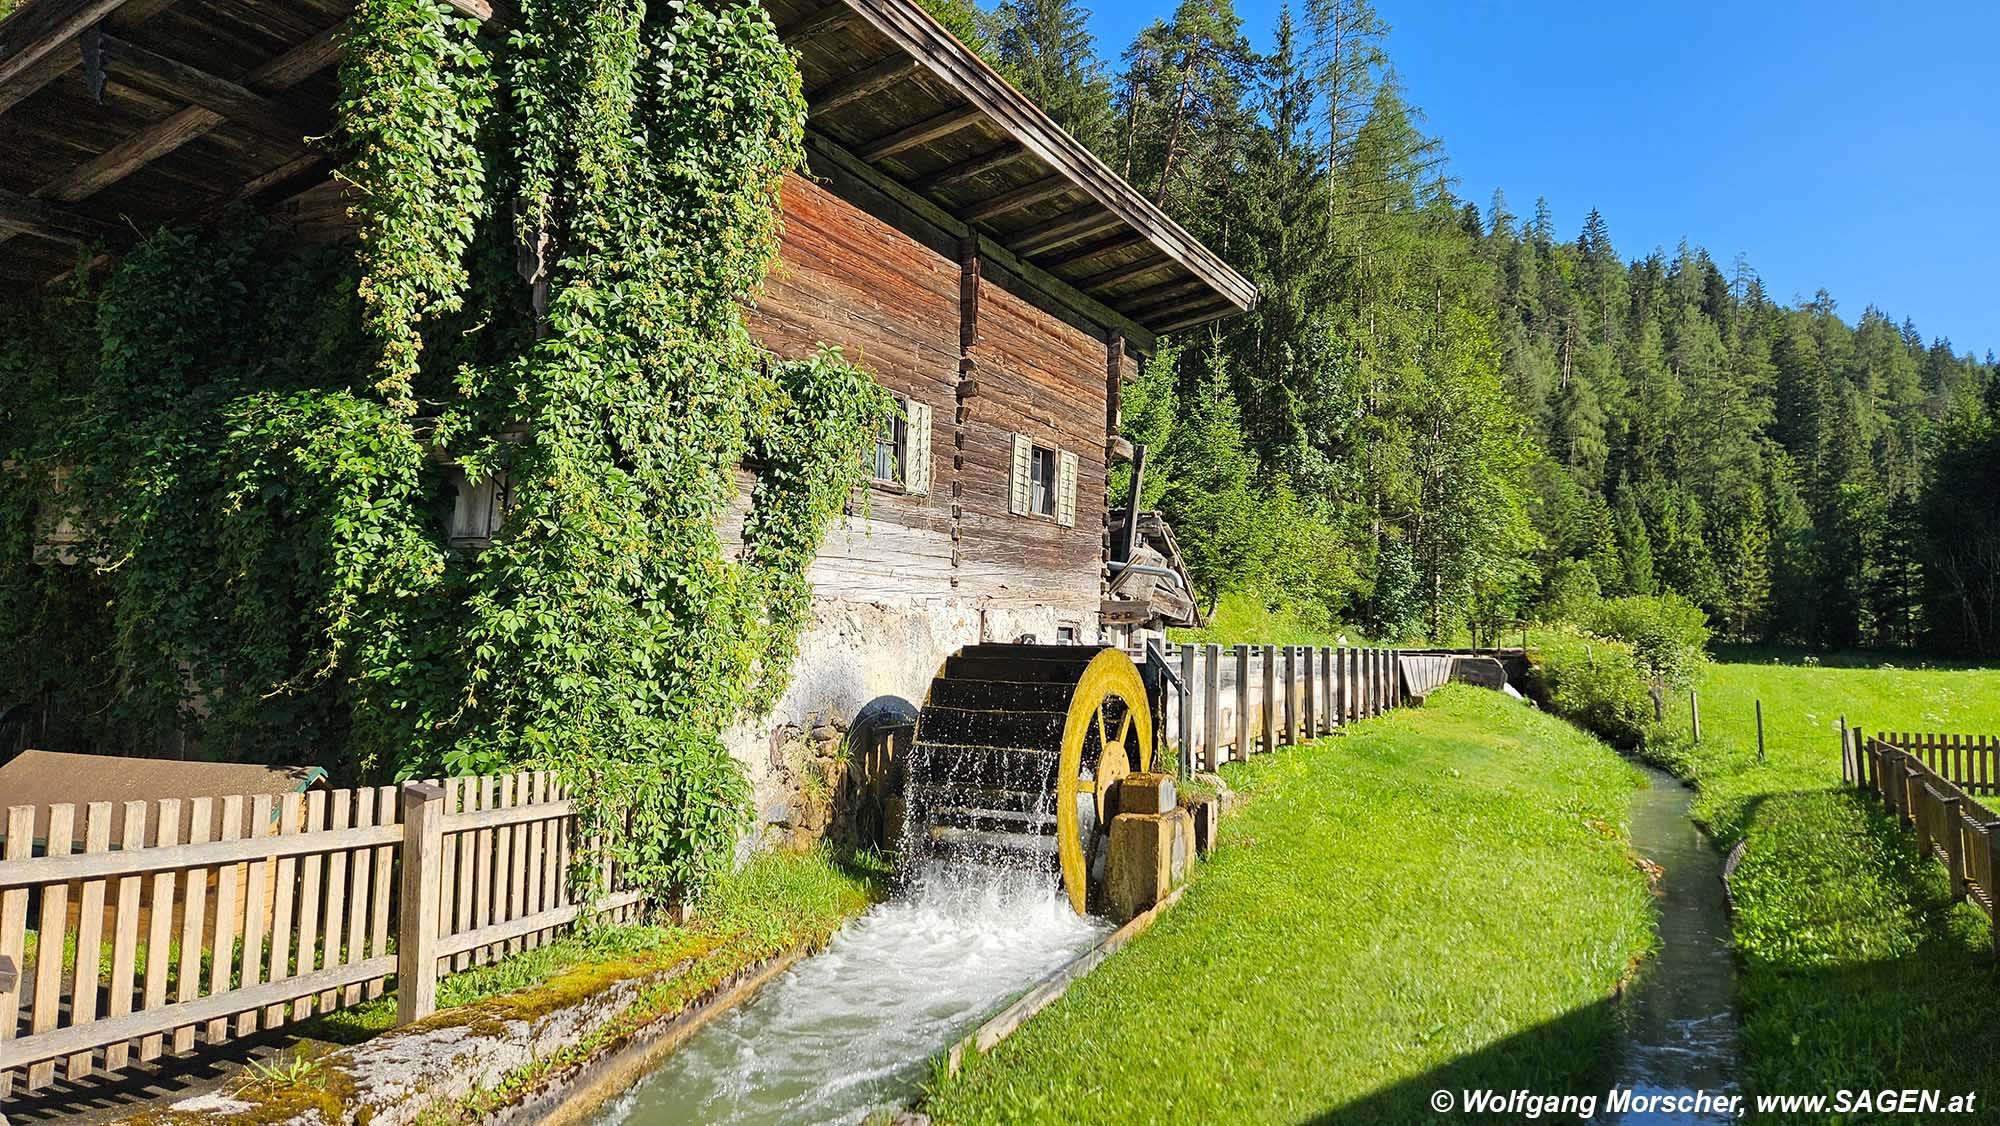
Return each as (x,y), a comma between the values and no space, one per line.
(1193,319)
(31,216)
(971,169)
(922,133)
(856,86)
(1117,242)
(57,63)
(830,18)
(42,27)
(1081,223)
(177,129)
(1132,271)
(1168,313)
(191,84)
(1154,300)
(1027,195)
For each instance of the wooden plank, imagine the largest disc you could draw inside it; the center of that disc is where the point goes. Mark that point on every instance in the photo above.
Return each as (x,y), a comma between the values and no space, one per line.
(29,216)
(551,844)
(482,895)
(1269,720)
(1190,733)
(462,916)
(333,927)
(214,1008)
(291,820)
(922,133)
(256,912)
(388,803)
(14,931)
(1241,752)
(447,862)
(531,903)
(311,873)
(360,868)
(42,28)
(517,868)
(89,937)
(94,866)
(832,17)
(160,924)
(50,938)
(991,161)
(854,87)
(1211,708)
(195,86)
(499,933)
(1027,195)
(125,936)
(1309,705)
(194,918)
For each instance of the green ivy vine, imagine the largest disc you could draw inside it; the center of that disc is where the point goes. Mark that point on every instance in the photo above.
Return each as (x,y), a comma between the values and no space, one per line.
(558,233)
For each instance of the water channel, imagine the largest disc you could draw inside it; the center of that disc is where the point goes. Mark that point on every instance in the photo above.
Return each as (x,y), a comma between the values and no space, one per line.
(1680,1034)
(851,1031)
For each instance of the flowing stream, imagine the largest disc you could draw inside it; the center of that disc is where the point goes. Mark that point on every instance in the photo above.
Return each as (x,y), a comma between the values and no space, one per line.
(1680,1032)
(851,1030)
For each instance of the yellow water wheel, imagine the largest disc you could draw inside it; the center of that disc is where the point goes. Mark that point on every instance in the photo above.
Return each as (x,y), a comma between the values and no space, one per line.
(1017,749)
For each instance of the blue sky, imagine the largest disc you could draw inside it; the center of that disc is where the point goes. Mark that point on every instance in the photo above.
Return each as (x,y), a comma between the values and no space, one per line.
(1849,146)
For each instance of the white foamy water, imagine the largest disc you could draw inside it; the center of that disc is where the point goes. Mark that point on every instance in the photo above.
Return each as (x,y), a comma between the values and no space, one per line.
(850,1031)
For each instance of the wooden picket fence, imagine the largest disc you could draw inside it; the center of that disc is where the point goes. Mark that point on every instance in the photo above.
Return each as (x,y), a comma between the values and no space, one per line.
(1224,704)
(1930,782)
(219,918)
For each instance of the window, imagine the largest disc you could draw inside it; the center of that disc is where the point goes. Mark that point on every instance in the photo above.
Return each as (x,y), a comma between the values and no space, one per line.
(479,508)
(1044,482)
(901,455)
(892,440)
(1042,476)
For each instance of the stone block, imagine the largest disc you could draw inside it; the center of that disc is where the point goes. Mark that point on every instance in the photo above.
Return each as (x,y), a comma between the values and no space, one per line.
(1146,793)
(1207,816)
(1150,855)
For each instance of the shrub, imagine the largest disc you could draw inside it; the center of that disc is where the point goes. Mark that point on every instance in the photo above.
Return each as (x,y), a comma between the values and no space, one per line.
(1595,682)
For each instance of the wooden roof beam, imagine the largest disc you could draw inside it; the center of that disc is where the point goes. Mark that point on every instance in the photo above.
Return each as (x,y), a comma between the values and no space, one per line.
(1026,195)
(971,169)
(922,133)
(57,61)
(1119,275)
(1068,227)
(1111,245)
(1164,299)
(859,85)
(1213,312)
(42,27)
(191,84)
(830,18)
(1173,309)
(31,216)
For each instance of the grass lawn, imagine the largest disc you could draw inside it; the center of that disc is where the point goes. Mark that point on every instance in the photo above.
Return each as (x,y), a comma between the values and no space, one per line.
(1442,898)
(1858,970)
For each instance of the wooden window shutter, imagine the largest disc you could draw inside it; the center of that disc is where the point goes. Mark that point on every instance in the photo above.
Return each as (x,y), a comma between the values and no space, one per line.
(917,462)
(1066,488)
(1021,488)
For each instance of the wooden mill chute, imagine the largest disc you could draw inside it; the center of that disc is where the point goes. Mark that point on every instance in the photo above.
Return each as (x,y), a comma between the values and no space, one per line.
(1017,749)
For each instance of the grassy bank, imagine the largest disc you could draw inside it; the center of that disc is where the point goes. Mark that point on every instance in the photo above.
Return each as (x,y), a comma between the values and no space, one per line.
(1858,970)
(1441,899)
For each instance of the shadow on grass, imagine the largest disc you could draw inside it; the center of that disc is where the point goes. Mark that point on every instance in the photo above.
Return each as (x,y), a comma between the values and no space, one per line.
(1575,1054)
(1840,659)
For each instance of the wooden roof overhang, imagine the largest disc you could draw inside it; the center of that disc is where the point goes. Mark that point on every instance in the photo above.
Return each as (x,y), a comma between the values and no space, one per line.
(119,115)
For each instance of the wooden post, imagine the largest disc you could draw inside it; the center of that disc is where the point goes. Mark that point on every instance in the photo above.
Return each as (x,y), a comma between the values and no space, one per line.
(1289,734)
(1311,709)
(1241,751)
(1327,700)
(1270,716)
(1954,844)
(1189,732)
(418,908)
(1760,731)
(1993,880)
(1211,706)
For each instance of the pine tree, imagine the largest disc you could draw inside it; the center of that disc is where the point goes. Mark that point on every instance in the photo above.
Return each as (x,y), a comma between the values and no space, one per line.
(1045,48)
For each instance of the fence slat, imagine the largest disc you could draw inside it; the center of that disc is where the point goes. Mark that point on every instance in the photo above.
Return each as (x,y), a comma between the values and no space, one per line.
(194,918)
(160,923)
(89,937)
(359,870)
(333,951)
(14,930)
(388,809)
(125,936)
(256,911)
(50,938)
(482,900)
(284,899)
(517,867)
(1241,752)
(462,918)
(311,871)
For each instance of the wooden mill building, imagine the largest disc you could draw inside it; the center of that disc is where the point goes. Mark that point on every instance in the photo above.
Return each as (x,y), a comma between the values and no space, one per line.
(995,276)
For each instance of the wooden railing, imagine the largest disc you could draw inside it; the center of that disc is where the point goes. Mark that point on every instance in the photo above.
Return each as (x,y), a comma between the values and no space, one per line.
(1929,781)
(1230,702)
(219,918)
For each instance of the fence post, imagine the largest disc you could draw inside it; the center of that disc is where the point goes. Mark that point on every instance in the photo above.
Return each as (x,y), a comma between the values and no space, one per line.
(1270,714)
(1309,713)
(1760,731)
(1694,712)
(1993,881)
(1211,707)
(1188,728)
(1323,656)
(1241,752)
(1289,709)
(417,909)
(1954,844)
